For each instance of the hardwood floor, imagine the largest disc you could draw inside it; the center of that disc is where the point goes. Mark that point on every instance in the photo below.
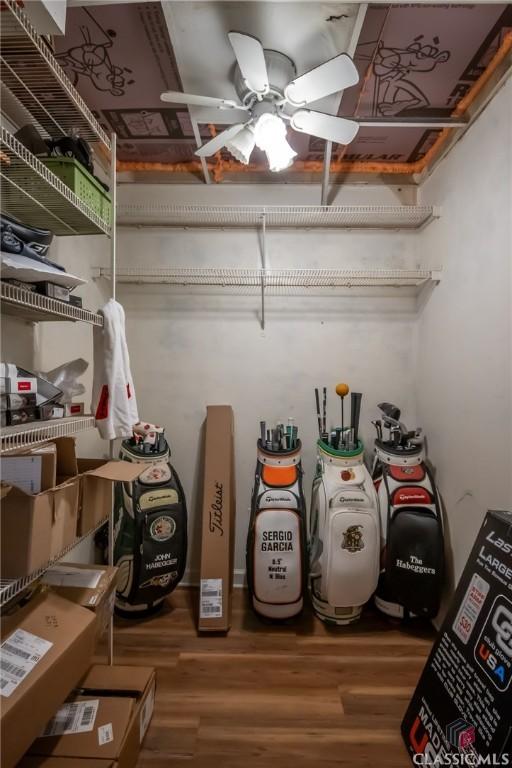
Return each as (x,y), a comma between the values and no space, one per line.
(296,696)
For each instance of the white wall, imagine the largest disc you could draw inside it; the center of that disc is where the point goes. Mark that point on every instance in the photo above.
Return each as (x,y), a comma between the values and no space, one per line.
(463,382)
(189,350)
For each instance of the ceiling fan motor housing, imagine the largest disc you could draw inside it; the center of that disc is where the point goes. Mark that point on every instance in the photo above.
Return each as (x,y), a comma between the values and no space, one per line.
(281,70)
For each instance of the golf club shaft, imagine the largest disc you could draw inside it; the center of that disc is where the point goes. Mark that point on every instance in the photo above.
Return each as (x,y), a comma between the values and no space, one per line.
(317,397)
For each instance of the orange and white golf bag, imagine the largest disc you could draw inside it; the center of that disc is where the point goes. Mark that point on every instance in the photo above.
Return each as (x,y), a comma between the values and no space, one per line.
(276,543)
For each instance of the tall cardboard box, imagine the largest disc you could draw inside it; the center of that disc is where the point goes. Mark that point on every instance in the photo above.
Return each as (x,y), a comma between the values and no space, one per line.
(46,648)
(218,521)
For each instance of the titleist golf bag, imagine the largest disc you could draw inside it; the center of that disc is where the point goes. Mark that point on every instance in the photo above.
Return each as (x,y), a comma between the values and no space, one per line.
(276,543)
(150,528)
(344,535)
(412,544)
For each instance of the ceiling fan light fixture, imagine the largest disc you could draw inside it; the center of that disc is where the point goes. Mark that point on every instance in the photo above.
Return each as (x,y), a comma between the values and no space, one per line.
(242,145)
(270,136)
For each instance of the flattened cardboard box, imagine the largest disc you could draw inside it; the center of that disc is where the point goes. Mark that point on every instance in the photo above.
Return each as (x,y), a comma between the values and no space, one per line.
(64,578)
(218,521)
(58,637)
(124,699)
(463,701)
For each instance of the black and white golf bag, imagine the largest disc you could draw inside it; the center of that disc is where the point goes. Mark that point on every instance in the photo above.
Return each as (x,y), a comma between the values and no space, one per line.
(276,544)
(150,525)
(412,544)
(344,534)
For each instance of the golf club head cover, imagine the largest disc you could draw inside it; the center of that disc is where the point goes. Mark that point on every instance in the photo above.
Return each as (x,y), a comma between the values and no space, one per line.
(150,530)
(344,535)
(412,545)
(276,543)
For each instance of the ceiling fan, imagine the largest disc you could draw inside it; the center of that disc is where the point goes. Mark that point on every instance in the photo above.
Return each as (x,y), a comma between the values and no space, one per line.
(270,96)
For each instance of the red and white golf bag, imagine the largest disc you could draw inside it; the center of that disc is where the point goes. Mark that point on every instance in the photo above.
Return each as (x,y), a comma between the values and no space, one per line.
(412,544)
(344,535)
(276,543)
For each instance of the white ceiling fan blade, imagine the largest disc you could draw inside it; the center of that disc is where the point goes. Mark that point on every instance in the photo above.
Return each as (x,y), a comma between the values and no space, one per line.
(176,97)
(251,60)
(219,116)
(331,76)
(335,129)
(219,141)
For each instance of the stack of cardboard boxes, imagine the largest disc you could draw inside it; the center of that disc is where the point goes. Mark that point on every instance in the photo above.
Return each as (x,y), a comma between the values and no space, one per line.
(49,499)
(46,653)
(58,711)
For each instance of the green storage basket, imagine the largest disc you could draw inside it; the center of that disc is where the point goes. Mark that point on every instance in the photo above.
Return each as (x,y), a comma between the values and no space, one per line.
(80,181)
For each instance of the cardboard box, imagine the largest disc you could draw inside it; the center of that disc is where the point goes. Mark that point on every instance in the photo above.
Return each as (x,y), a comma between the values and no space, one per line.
(463,701)
(59,637)
(97,476)
(218,521)
(37,528)
(120,700)
(91,586)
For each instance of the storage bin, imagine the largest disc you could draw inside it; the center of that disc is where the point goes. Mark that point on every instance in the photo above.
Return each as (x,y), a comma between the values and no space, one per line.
(80,181)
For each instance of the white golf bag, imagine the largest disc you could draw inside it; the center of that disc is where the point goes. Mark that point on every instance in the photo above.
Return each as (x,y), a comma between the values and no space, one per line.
(276,543)
(412,543)
(344,535)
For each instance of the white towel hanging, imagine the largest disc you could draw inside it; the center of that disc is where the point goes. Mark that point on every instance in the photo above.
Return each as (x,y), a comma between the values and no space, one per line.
(113,395)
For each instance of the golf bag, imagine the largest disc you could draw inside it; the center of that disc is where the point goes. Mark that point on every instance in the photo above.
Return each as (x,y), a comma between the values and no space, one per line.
(344,535)
(276,543)
(412,543)
(150,526)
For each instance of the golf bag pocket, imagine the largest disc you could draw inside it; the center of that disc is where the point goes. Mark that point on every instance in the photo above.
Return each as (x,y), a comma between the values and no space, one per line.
(414,559)
(352,562)
(277,558)
(279,477)
(276,542)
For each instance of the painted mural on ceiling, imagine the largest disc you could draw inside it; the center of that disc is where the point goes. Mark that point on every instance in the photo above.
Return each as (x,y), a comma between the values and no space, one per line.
(412,59)
(120,59)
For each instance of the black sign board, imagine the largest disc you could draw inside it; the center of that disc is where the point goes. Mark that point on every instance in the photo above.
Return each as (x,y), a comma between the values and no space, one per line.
(461,711)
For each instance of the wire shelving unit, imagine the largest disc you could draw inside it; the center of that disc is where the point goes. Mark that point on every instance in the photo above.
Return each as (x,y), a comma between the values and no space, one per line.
(32,193)
(36,432)
(35,307)
(273,278)
(34,82)
(31,72)
(12,588)
(407,217)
